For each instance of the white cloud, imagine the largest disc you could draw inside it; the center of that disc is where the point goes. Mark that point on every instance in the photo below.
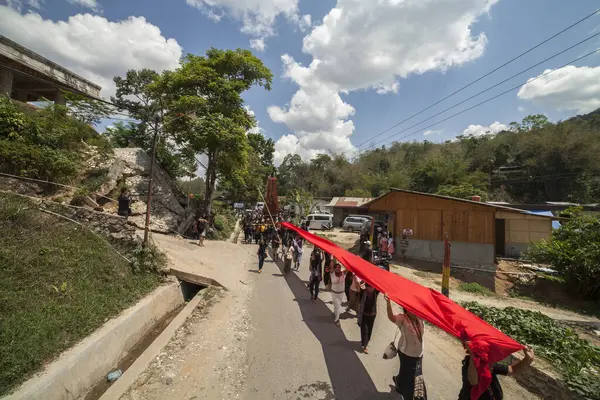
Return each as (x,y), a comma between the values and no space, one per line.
(479,130)
(92,46)
(257,128)
(371,45)
(521,109)
(567,88)
(91,4)
(258,44)
(257,16)
(432,132)
(20,4)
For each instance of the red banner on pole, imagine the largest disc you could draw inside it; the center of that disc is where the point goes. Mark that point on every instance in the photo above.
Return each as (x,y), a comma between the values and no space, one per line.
(488,344)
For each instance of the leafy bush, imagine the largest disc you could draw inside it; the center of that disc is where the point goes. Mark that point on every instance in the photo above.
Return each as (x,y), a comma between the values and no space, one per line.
(79,196)
(220,222)
(37,161)
(474,287)
(148,259)
(43,143)
(576,359)
(574,251)
(462,191)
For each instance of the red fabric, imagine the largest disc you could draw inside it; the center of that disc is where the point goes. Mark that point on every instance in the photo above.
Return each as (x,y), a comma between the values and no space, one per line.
(488,344)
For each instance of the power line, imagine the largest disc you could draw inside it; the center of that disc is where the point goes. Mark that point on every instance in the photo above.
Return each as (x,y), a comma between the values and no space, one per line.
(491,87)
(484,76)
(489,99)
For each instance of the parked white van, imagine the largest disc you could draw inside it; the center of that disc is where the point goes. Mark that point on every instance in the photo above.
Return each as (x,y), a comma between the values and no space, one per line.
(316,221)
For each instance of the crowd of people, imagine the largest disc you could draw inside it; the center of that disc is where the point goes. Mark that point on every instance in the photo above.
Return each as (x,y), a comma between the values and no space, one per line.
(361,298)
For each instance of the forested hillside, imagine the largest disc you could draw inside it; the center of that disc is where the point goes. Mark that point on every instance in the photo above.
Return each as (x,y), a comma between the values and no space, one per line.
(534,161)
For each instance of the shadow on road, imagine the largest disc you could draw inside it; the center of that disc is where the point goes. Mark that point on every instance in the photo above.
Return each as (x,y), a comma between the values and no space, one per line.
(349,378)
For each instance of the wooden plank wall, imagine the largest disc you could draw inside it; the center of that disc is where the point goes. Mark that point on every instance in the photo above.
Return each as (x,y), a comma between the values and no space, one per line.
(431,217)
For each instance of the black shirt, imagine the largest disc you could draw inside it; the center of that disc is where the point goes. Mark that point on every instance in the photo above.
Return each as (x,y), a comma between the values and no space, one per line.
(370,302)
(368,255)
(124,203)
(493,392)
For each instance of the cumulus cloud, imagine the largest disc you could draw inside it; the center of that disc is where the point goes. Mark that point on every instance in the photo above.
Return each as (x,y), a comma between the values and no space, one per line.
(258,44)
(91,4)
(257,16)
(567,88)
(257,128)
(371,45)
(432,132)
(479,130)
(92,46)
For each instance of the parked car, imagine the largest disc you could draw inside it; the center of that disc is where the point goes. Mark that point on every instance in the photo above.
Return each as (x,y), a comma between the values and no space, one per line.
(354,223)
(318,221)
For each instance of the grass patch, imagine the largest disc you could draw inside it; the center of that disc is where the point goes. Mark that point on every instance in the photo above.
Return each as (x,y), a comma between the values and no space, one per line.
(576,359)
(474,287)
(59,284)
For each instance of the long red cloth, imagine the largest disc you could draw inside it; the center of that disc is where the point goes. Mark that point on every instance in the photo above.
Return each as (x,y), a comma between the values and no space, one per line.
(488,344)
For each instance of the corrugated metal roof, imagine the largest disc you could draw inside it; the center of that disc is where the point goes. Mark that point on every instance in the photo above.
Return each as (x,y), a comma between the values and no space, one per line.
(439,196)
(349,201)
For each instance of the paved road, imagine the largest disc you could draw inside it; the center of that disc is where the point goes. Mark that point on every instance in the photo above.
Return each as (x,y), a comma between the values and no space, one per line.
(297,352)
(265,339)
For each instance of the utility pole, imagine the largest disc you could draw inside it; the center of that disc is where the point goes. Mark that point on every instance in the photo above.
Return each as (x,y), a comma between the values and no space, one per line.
(150,179)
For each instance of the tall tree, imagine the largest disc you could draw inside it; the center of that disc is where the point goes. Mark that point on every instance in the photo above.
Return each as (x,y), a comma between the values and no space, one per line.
(207,89)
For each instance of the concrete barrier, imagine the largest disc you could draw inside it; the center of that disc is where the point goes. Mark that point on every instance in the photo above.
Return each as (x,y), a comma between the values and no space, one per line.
(81,367)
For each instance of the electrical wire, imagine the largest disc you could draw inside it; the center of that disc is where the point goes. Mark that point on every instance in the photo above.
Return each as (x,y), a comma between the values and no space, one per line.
(494,86)
(487,100)
(484,76)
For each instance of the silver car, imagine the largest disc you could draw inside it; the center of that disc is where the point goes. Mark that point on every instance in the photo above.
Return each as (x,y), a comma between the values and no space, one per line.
(352,224)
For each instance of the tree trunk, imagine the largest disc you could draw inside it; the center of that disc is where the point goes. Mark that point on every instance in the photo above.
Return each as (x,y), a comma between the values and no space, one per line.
(211,178)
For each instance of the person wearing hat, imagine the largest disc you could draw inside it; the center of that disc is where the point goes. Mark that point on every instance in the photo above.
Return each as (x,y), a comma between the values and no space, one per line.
(368,253)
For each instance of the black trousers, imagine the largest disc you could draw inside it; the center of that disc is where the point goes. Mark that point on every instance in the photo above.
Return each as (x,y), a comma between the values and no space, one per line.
(366,329)
(313,286)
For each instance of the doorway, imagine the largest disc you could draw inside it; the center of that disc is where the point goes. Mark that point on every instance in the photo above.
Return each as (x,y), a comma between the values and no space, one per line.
(500,237)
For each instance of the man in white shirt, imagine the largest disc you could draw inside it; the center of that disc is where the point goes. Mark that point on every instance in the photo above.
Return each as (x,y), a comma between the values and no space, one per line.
(338,282)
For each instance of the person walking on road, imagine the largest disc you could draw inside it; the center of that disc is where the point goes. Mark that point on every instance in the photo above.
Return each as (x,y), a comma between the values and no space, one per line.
(367,311)
(409,382)
(494,390)
(288,259)
(297,252)
(338,279)
(368,253)
(262,254)
(201,227)
(354,292)
(327,277)
(316,273)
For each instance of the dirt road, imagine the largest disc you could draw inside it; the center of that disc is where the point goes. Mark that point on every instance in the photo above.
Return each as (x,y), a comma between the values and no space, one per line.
(265,339)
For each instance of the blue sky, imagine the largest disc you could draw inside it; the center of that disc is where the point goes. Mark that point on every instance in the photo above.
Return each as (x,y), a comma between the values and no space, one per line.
(415,51)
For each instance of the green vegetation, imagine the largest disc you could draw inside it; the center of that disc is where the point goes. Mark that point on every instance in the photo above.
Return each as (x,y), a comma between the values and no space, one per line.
(533,161)
(224,222)
(577,360)
(474,287)
(574,251)
(59,283)
(46,143)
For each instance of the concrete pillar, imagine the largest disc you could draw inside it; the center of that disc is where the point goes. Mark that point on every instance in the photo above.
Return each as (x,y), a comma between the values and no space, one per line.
(60,98)
(6,81)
